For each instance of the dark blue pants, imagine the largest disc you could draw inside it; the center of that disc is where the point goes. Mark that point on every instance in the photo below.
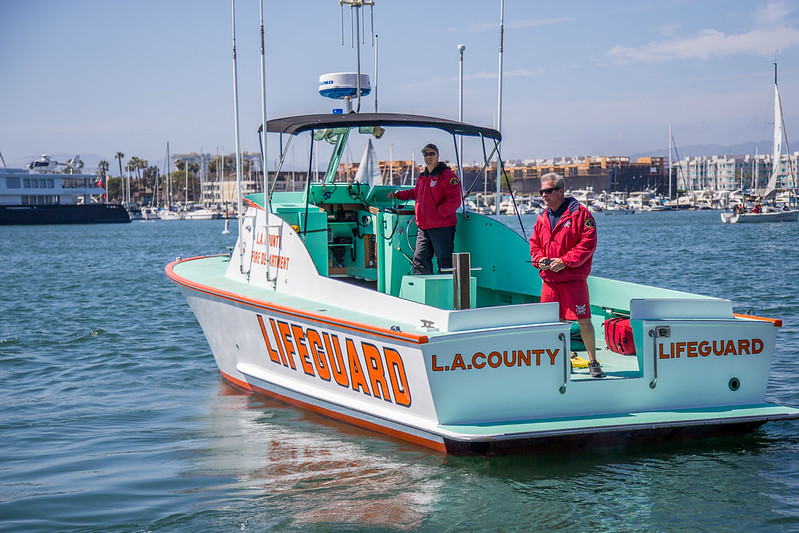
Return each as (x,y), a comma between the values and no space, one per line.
(430,242)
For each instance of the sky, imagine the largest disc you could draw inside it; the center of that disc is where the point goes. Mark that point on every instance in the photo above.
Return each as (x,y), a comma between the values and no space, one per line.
(97,77)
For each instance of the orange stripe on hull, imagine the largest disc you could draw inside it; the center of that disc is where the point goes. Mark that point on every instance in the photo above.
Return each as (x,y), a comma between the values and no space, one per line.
(252,204)
(415,439)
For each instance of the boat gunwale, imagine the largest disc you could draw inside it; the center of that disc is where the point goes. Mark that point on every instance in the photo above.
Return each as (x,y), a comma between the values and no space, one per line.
(285,310)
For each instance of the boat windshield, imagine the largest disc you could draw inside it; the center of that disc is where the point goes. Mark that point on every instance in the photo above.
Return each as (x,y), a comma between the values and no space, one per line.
(381,148)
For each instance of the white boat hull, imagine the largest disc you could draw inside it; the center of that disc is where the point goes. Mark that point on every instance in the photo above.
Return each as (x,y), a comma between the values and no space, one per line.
(170,215)
(200,214)
(755,218)
(482,379)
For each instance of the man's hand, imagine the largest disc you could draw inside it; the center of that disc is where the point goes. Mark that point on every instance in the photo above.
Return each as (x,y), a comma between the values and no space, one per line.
(556,265)
(392,195)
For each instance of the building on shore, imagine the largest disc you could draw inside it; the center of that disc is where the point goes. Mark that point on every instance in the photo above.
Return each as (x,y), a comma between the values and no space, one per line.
(217,174)
(617,173)
(733,172)
(600,172)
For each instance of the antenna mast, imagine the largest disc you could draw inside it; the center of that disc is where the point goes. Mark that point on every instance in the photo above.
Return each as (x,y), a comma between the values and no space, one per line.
(357,35)
(499,104)
(264,171)
(263,110)
(239,206)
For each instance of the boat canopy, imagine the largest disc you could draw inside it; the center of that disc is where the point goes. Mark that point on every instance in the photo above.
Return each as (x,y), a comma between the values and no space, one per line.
(301,123)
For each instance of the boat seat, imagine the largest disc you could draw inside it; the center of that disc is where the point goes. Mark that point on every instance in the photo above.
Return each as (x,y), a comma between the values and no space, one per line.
(433,289)
(680,309)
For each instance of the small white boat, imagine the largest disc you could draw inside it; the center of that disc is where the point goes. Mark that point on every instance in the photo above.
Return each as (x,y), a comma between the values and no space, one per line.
(200,214)
(766,215)
(618,210)
(134,211)
(149,213)
(769,213)
(165,214)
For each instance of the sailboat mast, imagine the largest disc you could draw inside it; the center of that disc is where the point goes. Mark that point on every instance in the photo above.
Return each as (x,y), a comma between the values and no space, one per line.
(778,133)
(791,173)
(168,178)
(669,161)
(777,155)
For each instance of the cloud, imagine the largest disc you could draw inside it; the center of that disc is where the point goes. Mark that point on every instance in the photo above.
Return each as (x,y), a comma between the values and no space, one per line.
(771,34)
(708,44)
(773,12)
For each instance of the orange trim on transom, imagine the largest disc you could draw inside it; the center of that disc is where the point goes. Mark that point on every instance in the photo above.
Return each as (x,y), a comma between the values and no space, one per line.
(415,439)
(776,321)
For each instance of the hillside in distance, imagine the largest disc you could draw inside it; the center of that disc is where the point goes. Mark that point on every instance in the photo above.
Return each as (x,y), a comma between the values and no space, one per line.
(697,150)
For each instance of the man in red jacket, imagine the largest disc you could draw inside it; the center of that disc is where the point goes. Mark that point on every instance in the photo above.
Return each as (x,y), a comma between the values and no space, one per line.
(562,246)
(438,196)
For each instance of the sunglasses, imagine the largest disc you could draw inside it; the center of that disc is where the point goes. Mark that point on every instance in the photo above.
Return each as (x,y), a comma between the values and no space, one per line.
(549,190)
(428,154)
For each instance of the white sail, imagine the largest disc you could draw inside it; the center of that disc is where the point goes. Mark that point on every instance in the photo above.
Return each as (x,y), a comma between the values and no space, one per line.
(776,155)
(369,169)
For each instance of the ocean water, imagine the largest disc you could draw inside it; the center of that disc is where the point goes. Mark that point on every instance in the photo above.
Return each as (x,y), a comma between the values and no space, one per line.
(113,416)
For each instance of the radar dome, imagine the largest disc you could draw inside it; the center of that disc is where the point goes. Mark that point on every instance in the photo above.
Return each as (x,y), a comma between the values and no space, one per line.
(339,85)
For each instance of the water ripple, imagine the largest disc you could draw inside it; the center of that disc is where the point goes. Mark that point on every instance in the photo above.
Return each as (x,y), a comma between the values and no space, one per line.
(115,417)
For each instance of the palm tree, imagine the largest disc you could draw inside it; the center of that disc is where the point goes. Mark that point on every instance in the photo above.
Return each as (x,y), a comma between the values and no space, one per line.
(118,157)
(135,163)
(102,173)
(150,181)
(141,164)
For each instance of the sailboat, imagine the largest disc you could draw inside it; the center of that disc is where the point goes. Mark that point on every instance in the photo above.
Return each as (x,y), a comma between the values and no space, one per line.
(167,213)
(762,212)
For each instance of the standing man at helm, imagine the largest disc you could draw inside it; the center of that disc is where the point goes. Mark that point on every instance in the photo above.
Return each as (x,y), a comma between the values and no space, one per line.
(562,246)
(438,196)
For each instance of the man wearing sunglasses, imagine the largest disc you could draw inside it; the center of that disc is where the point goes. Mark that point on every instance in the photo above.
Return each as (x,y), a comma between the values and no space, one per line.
(562,246)
(438,196)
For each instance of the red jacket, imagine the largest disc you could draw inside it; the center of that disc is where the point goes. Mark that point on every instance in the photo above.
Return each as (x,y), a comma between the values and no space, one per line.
(573,240)
(437,195)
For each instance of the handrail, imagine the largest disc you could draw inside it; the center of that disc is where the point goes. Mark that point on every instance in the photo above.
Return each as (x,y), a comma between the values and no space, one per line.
(654,382)
(562,389)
